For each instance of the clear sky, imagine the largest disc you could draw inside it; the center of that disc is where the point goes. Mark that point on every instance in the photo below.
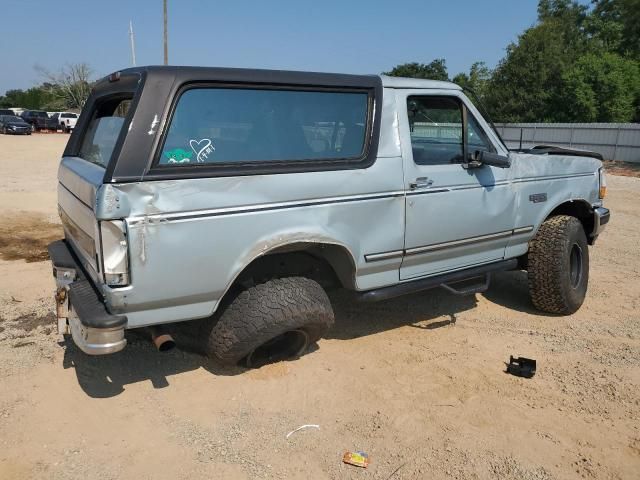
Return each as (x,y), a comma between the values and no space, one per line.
(349,36)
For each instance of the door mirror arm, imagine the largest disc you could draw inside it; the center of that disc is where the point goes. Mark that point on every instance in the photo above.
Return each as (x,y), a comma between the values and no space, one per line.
(479,158)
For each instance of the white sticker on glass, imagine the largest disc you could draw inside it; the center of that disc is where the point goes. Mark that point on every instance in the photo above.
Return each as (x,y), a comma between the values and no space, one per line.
(202,148)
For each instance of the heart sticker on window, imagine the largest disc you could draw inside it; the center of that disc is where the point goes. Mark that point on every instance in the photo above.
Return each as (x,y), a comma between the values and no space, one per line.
(202,148)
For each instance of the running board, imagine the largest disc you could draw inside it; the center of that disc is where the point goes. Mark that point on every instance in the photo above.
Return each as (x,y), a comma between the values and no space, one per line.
(480,286)
(444,280)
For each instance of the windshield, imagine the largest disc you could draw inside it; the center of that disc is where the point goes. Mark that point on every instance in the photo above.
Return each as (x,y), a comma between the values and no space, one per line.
(39,114)
(12,118)
(68,115)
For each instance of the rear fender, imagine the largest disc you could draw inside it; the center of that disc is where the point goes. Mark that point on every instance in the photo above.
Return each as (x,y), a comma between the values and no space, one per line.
(333,251)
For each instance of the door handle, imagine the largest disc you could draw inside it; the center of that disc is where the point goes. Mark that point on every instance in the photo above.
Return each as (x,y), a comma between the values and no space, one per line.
(421,182)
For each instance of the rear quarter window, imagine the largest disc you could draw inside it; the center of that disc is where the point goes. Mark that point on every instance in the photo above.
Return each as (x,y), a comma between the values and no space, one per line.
(222,126)
(101,135)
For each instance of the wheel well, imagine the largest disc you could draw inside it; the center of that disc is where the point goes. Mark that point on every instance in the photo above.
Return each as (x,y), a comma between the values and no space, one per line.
(575,208)
(332,266)
(579,209)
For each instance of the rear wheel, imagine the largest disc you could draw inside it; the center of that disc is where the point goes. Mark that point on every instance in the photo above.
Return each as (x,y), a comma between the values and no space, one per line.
(274,321)
(558,265)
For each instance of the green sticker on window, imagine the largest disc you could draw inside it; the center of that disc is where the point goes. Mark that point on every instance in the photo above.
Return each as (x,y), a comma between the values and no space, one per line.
(178,155)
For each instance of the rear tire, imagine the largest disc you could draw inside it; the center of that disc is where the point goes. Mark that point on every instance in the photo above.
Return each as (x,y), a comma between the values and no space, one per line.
(270,322)
(558,265)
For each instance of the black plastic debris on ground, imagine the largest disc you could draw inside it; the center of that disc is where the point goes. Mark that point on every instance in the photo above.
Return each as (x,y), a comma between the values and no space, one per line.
(521,367)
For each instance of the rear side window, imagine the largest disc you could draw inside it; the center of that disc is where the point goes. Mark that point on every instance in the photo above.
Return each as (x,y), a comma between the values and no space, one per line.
(103,130)
(68,115)
(236,125)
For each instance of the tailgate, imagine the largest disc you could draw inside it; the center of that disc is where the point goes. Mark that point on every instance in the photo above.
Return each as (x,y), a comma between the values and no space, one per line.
(78,181)
(92,149)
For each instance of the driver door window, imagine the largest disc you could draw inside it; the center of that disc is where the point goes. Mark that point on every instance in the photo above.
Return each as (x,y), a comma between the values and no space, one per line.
(435,125)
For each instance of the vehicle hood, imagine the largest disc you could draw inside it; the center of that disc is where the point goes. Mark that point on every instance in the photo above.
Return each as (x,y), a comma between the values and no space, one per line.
(530,164)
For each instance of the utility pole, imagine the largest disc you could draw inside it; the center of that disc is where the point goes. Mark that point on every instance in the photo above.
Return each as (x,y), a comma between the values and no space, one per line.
(166,46)
(133,44)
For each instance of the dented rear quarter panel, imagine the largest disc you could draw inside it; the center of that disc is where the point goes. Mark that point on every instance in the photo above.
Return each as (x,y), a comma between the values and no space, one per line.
(189,239)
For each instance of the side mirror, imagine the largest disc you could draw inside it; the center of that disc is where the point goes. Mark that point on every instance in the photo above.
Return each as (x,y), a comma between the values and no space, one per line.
(479,158)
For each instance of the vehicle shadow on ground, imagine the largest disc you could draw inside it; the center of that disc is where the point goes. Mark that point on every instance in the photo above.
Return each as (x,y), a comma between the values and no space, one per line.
(107,376)
(511,290)
(423,310)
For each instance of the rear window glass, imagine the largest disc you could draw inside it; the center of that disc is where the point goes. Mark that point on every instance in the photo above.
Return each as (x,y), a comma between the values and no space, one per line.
(226,125)
(104,128)
(68,115)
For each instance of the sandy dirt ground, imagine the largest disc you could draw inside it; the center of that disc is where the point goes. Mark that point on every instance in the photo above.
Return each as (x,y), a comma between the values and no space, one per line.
(418,383)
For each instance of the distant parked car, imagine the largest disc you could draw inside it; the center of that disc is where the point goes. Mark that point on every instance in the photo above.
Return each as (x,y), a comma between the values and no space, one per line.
(66,120)
(11,124)
(39,120)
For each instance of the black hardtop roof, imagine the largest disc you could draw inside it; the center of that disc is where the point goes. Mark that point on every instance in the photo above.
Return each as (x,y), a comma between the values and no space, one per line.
(185,74)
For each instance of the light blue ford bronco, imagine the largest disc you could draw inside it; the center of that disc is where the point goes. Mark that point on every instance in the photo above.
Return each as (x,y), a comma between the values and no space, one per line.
(238,196)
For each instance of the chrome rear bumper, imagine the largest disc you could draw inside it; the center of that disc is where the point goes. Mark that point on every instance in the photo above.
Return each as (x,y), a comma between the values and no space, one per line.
(80,310)
(96,341)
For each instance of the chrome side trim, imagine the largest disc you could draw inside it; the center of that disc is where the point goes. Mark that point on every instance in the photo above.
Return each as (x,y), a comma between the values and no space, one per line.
(517,231)
(196,214)
(457,188)
(374,257)
(458,243)
(552,177)
(427,191)
(441,246)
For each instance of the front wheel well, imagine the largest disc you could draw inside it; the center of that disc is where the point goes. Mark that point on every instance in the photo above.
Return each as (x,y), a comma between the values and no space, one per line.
(580,209)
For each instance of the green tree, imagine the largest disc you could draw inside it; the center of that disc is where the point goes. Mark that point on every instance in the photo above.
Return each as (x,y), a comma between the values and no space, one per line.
(601,88)
(436,70)
(527,79)
(70,86)
(565,9)
(615,26)
(477,80)
(33,98)
(527,82)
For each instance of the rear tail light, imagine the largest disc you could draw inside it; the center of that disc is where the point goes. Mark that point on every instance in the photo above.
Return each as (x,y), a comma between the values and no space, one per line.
(602,182)
(115,257)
